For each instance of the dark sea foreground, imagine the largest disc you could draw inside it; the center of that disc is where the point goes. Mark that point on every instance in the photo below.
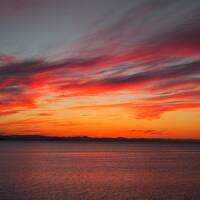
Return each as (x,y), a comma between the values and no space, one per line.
(95,171)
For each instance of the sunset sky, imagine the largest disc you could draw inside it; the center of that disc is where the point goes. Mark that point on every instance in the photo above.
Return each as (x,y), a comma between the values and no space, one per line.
(101,68)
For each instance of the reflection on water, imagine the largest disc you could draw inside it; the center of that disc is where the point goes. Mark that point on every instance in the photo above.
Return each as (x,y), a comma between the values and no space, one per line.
(62,171)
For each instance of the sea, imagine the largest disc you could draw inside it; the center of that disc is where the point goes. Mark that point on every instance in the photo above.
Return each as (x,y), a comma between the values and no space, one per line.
(51,170)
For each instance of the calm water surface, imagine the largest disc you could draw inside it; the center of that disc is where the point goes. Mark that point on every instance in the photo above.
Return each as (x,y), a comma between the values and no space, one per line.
(62,171)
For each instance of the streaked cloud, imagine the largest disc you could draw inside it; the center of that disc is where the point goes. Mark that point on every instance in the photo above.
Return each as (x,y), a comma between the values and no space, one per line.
(148,48)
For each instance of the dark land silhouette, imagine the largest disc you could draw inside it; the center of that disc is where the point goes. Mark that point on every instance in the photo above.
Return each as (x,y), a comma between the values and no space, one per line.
(92,139)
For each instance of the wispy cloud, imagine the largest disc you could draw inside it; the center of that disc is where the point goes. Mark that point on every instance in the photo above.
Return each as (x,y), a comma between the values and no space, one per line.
(150,50)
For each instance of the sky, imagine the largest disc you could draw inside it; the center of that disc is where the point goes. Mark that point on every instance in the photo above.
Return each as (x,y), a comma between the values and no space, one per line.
(117,68)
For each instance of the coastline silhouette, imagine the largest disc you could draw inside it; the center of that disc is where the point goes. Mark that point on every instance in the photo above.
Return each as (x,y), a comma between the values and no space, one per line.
(92,139)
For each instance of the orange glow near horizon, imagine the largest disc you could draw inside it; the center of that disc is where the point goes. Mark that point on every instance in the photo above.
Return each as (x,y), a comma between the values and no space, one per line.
(101,120)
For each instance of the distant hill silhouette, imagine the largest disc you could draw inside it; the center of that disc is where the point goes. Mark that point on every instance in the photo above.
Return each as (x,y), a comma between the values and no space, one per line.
(91,139)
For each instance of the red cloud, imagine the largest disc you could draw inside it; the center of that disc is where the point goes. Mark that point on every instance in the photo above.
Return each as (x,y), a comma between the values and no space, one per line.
(164,65)
(144,109)
(22,85)
(148,132)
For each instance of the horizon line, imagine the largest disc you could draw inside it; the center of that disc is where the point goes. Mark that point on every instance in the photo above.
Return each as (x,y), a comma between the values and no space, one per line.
(39,137)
